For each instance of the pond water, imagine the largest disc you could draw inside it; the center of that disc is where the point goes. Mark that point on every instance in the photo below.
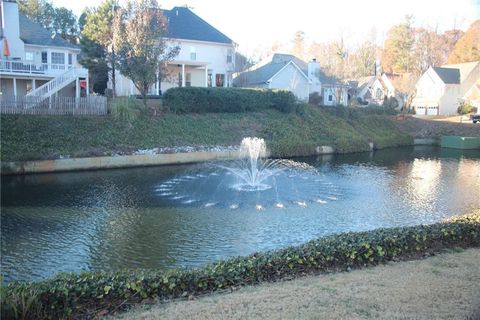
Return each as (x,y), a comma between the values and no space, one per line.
(187,216)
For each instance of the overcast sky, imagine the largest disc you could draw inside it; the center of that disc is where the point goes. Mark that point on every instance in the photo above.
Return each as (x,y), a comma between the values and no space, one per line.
(259,23)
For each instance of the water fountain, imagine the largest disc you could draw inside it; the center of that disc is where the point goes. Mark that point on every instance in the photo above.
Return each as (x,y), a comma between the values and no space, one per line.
(252,168)
(252,181)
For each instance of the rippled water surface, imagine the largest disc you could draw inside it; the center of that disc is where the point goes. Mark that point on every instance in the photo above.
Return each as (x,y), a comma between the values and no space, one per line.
(186,216)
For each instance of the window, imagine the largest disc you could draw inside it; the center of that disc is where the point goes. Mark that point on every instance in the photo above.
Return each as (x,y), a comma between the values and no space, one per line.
(188,80)
(209,80)
(44,57)
(29,56)
(193,53)
(219,80)
(330,97)
(58,58)
(70,59)
(229,56)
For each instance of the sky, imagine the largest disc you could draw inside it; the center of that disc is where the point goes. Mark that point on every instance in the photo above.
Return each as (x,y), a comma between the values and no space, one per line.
(256,24)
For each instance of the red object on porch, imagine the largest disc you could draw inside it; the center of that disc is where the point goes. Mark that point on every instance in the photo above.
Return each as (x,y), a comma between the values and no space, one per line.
(6,49)
(83,84)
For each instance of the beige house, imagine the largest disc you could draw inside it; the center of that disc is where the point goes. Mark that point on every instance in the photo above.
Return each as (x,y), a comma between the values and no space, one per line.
(441,89)
(373,89)
(206,57)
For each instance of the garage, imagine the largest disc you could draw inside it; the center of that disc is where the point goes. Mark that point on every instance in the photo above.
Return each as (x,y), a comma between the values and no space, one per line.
(421,111)
(432,111)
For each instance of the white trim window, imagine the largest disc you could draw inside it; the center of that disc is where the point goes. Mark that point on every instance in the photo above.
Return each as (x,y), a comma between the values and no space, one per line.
(29,55)
(58,60)
(229,56)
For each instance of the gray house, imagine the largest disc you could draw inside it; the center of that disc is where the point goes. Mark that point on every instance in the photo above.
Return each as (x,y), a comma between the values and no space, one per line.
(287,72)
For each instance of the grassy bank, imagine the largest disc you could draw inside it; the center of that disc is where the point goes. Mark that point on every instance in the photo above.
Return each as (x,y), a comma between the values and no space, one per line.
(49,137)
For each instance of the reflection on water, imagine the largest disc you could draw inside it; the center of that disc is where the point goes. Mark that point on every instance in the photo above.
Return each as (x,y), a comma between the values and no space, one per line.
(108,220)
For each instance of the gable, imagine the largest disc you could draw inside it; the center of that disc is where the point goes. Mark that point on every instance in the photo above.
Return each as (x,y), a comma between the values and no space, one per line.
(290,73)
(184,24)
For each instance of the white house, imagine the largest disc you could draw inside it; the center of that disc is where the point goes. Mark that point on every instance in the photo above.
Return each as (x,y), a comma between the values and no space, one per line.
(373,89)
(287,72)
(441,89)
(206,57)
(32,62)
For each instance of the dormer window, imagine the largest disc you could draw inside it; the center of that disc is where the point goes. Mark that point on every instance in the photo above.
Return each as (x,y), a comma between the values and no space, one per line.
(193,53)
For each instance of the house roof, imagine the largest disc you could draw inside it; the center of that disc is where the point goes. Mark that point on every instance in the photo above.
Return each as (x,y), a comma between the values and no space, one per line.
(33,33)
(464,68)
(184,24)
(448,75)
(364,81)
(265,70)
(263,73)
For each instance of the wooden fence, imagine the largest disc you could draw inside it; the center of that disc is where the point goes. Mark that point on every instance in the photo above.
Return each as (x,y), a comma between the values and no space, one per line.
(91,105)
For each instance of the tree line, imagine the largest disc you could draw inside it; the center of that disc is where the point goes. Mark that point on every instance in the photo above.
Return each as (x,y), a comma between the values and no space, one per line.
(406,49)
(128,38)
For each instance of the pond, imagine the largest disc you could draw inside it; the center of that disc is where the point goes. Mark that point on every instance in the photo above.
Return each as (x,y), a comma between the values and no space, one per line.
(187,216)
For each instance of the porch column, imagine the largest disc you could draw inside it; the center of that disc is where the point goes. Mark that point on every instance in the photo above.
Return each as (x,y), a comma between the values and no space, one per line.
(15,87)
(158,84)
(183,75)
(77,88)
(88,86)
(34,84)
(206,76)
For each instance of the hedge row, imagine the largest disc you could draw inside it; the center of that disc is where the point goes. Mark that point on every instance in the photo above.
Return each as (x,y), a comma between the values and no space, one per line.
(83,295)
(232,100)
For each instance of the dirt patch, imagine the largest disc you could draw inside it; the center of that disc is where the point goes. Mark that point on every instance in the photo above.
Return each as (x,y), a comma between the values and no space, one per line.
(435,128)
(439,287)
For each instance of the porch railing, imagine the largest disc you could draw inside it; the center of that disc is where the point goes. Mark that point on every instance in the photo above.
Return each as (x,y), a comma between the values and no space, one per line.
(27,67)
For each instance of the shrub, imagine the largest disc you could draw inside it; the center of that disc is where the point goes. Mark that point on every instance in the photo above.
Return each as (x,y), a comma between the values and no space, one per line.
(391,103)
(81,295)
(466,108)
(233,100)
(124,108)
(315,98)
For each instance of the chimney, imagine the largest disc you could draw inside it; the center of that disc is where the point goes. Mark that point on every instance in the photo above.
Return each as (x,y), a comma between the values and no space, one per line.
(11,29)
(313,75)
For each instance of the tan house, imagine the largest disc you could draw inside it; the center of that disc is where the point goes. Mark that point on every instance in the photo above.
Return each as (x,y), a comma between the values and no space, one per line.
(440,90)
(374,89)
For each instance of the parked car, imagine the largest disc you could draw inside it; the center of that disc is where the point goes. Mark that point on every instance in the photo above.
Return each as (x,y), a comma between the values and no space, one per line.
(475,118)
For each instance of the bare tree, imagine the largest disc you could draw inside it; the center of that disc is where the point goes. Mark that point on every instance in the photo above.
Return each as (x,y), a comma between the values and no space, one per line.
(142,49)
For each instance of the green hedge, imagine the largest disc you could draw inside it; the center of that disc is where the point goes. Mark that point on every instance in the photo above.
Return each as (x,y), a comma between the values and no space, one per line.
(233,100)
(84,294)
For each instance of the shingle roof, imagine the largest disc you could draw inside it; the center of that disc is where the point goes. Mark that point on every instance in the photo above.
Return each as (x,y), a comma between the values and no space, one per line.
(448,76)
(265,72)
(184,24)
(33,33)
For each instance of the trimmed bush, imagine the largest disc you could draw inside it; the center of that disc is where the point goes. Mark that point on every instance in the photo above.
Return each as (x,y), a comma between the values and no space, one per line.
(83,295)
(232,100)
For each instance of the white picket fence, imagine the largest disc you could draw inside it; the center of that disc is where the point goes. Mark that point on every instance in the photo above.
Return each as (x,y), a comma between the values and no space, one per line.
(91,105)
